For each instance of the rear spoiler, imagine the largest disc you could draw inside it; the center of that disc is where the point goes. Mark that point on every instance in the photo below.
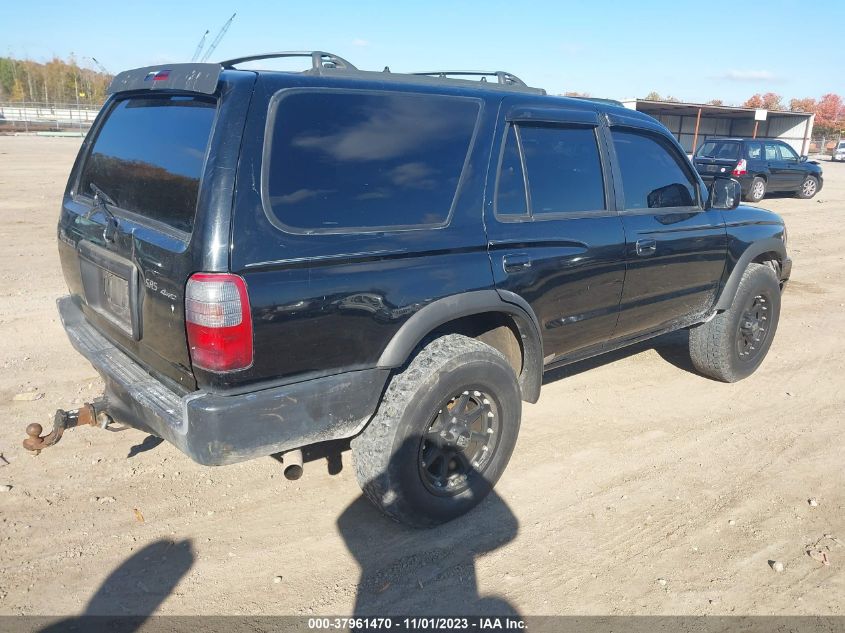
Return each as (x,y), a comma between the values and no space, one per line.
(189,77)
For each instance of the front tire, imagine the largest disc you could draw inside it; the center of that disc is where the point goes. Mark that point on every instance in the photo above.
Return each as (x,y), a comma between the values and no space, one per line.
(757,190)
(809,188)
(732,344)
(443,433)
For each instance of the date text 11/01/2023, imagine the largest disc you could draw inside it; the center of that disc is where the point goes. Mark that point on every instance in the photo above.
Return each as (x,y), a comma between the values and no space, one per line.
(418,623)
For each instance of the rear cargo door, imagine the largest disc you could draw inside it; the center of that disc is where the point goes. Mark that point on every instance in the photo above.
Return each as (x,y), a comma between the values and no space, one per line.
(137,221)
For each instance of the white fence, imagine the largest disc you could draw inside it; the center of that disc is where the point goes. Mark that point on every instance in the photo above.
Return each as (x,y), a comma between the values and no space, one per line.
(59,116)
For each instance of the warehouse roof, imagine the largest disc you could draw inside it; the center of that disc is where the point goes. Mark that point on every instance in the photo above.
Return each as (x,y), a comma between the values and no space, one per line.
(691,109)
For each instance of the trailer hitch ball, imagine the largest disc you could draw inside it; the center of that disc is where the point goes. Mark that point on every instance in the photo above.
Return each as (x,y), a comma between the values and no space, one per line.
(34,431)
(63,420)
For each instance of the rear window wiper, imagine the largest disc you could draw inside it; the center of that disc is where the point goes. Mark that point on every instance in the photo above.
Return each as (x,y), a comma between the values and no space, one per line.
(101,203)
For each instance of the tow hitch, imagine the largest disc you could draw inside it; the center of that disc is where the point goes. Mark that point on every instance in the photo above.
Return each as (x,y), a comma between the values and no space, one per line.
(87,415)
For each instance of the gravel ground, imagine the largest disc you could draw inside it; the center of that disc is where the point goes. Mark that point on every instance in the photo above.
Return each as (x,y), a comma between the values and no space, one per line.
(637,486)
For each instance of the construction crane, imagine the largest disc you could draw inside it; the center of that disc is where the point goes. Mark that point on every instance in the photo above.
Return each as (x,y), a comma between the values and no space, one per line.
(200,46)
(100,67)
(218,38)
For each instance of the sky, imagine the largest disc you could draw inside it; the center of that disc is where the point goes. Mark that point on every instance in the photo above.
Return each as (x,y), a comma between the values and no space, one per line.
(695,51)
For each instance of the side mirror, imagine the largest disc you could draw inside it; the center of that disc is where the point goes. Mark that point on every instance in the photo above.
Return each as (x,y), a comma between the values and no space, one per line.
(724,194)
(803,159)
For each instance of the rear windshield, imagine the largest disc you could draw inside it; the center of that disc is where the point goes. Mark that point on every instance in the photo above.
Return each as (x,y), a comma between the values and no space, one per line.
(719,149)
(149,154)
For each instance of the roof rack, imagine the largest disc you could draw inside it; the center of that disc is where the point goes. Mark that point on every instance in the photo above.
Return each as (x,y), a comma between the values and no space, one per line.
(502,77)
(320,60)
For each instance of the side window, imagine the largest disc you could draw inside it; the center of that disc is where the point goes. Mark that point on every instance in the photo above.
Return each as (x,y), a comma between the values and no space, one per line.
(753,150)
(366,160)
(510,186)
(653,172)
(787,153)
(563,169)
(772,152)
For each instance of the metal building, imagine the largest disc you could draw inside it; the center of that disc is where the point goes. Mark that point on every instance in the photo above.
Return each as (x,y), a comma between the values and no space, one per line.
(693,123)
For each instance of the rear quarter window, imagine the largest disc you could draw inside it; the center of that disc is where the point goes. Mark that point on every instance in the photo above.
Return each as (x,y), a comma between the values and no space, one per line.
(351,161)
(148,156)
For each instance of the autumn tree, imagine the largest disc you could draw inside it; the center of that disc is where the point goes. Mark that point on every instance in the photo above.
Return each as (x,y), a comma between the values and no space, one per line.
(57,81)
(754,101)
(772,101)
(716,102)
(830,114)
(807,104)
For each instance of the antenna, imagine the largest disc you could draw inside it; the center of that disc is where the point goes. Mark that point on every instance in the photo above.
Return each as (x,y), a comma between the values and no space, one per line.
(199,47)
(218,38)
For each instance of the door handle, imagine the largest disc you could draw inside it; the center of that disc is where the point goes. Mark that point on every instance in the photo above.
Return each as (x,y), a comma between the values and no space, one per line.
(646,247)
(516,262)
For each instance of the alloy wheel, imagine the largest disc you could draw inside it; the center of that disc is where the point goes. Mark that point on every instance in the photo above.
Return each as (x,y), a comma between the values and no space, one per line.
(809,187)
(753,327)
(459,442)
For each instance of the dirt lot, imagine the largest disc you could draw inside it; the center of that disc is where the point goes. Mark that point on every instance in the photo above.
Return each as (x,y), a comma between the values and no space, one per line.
(637,486)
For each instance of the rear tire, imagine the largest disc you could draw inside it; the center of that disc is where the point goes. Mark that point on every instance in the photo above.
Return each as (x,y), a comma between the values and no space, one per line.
(421,459)
(809,188)
(757,190)
(732,344)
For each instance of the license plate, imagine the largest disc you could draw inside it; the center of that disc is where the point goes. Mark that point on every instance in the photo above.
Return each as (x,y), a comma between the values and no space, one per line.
(712,168)
(116,293)
(110,284)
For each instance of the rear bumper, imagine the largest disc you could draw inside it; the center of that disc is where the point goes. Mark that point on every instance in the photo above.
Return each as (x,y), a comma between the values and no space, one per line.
(216,429)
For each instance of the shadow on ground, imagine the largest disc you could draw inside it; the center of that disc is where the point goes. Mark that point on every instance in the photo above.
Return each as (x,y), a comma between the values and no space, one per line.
(425,572)
(136,588)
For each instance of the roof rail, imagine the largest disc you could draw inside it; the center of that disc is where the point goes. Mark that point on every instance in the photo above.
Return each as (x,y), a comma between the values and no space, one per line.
(320,60)
(502,77)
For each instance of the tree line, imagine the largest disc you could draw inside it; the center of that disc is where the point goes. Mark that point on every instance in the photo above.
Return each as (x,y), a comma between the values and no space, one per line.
(56,82)
(829,109)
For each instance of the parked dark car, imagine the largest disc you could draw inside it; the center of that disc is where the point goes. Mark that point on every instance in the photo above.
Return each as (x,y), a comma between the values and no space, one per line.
(260,262)
(760,166)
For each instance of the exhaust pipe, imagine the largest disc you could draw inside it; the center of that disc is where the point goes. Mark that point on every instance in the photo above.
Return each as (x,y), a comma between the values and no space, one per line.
(292,462)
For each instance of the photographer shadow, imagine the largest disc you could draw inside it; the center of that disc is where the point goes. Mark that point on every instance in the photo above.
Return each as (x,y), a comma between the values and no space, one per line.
(133,591)
(409,571)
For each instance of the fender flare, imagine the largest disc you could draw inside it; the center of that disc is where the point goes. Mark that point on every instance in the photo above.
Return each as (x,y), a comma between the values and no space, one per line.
(768,245)
(446,309)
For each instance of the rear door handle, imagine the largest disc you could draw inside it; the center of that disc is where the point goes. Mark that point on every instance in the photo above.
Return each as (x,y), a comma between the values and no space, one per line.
(646,247)
(516,262)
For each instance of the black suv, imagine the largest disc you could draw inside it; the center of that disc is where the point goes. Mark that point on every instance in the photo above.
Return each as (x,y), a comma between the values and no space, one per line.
(760,166)
(261,262)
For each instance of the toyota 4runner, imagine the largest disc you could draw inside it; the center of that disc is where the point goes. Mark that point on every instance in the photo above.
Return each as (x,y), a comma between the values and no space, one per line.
(260,262)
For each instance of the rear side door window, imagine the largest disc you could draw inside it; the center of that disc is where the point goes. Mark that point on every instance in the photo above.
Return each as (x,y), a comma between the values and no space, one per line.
(511,197)
(351,161)
(654,174)
(550,171)
(772,152)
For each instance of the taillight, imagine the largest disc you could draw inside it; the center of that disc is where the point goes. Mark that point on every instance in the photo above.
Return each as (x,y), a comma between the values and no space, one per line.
(741,168)
(219,323)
